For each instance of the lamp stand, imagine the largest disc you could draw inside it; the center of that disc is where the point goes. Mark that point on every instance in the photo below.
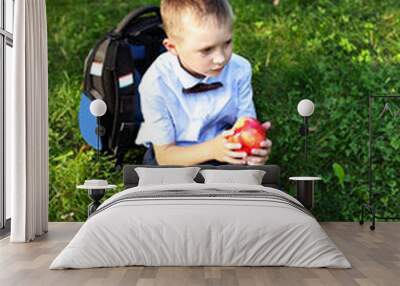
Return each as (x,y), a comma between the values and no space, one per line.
(370,207)
(305,137)
(98,139)
(304,130)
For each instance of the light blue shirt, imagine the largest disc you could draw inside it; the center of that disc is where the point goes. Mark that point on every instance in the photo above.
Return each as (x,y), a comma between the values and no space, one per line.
(172,117)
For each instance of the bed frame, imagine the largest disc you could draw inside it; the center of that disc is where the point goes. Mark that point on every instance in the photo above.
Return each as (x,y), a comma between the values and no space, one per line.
(270,179)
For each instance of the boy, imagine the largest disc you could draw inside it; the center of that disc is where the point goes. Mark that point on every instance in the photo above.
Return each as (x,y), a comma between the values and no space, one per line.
(197,89)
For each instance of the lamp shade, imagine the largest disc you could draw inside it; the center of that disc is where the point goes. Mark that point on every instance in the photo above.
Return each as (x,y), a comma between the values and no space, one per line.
(305,107)
(98,107)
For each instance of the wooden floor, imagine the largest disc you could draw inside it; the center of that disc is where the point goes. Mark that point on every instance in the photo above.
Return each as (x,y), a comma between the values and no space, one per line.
(375,256)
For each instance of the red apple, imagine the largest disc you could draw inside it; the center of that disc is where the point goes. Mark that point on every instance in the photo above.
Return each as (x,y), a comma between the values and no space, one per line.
(249,133)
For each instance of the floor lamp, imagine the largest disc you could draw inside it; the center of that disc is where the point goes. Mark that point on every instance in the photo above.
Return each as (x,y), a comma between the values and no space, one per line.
(305,109)
(305,185)
(98,108)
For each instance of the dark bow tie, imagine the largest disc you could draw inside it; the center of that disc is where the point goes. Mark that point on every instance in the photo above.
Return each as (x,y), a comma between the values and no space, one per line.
(200,87)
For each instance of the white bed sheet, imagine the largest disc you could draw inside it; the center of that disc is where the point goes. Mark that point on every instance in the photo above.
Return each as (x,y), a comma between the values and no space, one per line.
(202,232)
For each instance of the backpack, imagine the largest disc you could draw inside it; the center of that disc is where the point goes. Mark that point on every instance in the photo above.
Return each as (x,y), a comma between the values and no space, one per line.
(112,72)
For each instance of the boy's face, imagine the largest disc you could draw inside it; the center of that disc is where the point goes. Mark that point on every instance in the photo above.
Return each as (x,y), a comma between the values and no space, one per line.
(203,49)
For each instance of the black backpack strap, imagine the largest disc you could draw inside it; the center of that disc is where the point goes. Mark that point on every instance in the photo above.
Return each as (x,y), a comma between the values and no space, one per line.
(93,84)
(124,87)
(126,113)
(132,17)
(119,162)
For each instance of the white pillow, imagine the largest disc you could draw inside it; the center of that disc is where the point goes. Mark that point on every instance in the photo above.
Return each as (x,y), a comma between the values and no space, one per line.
(162,176)
(249,177)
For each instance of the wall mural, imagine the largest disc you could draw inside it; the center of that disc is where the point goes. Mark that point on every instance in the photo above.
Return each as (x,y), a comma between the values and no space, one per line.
(335,54)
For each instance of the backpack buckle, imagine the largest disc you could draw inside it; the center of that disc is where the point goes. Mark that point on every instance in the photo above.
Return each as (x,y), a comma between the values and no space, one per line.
(115,35)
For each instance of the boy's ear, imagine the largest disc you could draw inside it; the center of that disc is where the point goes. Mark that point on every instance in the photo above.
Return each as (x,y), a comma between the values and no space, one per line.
(170,46)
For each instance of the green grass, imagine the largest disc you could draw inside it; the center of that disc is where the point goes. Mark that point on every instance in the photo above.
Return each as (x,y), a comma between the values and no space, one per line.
(335,53)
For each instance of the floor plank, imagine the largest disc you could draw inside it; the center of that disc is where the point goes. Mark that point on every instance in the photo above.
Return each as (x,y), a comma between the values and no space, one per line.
(375,257)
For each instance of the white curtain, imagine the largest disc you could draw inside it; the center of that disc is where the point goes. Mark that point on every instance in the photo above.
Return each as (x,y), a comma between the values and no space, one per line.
(27,124)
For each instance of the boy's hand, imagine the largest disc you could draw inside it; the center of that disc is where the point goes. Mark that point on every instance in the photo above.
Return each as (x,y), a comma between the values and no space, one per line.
(261,155)
(224,151)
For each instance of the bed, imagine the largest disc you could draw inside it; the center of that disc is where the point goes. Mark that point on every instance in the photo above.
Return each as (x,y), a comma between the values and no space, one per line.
(201,224)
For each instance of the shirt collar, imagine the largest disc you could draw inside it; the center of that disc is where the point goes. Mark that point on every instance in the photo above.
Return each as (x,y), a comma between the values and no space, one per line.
(187,80)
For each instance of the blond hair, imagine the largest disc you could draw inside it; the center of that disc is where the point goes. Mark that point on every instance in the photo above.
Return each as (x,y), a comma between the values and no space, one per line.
(172,12)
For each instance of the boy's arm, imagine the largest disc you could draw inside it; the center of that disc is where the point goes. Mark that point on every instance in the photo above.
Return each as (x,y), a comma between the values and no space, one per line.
(246,104)
(216,149)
